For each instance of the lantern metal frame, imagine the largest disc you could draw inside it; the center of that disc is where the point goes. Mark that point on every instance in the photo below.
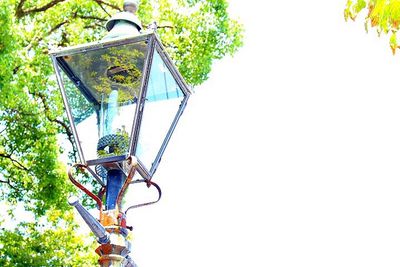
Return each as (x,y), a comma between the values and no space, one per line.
(153,45)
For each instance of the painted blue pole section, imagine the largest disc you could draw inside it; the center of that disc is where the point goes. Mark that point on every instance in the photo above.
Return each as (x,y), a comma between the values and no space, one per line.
(115,180)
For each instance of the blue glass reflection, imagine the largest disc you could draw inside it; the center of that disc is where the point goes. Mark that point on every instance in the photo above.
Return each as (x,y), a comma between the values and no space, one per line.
(162,85)
(162,102)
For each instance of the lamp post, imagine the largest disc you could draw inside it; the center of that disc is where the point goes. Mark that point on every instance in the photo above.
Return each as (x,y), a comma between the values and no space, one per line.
(123,97)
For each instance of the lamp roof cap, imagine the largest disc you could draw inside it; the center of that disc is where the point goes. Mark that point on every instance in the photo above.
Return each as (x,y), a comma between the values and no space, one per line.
(125,16)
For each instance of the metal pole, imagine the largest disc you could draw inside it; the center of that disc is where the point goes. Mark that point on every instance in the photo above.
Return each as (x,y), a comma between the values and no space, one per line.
(111,230)
(116,252)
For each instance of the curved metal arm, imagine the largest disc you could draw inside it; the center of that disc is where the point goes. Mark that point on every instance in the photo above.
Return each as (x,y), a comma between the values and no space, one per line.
(84,189)
(133,164)
(98,230)
(149,183)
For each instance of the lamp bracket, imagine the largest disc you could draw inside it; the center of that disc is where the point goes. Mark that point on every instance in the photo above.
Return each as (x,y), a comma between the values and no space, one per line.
(132,163)
(82,187)
(149,183)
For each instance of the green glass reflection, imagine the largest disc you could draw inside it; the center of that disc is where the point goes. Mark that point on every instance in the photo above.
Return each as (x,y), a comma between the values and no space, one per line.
(103,94)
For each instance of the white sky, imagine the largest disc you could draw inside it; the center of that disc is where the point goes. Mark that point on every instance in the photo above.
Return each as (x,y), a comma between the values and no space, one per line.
(289,155)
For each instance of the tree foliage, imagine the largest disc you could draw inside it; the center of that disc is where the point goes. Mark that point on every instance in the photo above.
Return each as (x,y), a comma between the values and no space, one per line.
(383,15)
(195,32)
(50,243)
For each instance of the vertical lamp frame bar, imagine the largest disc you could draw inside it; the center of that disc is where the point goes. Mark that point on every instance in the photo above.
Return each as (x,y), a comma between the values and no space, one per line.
(67,108)
(182,85)
(141,99)
(159,48)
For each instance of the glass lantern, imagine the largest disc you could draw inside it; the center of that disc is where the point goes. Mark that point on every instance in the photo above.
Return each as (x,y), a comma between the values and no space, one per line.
(123,98)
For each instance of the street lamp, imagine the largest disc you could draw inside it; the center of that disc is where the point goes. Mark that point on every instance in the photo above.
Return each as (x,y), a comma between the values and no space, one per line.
(123,97)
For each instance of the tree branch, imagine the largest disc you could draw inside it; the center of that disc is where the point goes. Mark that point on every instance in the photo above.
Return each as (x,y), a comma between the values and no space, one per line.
(69,135)
(5,128)
(101,3)
(15,162)
(91,17)
(94,26)
(67,130)
(105,10)
(36,40)
(165,27)
(20,12)
(9,183)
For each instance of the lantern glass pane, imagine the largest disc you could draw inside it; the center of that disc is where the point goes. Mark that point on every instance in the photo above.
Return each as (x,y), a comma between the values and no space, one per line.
(162,102)
(102,88)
